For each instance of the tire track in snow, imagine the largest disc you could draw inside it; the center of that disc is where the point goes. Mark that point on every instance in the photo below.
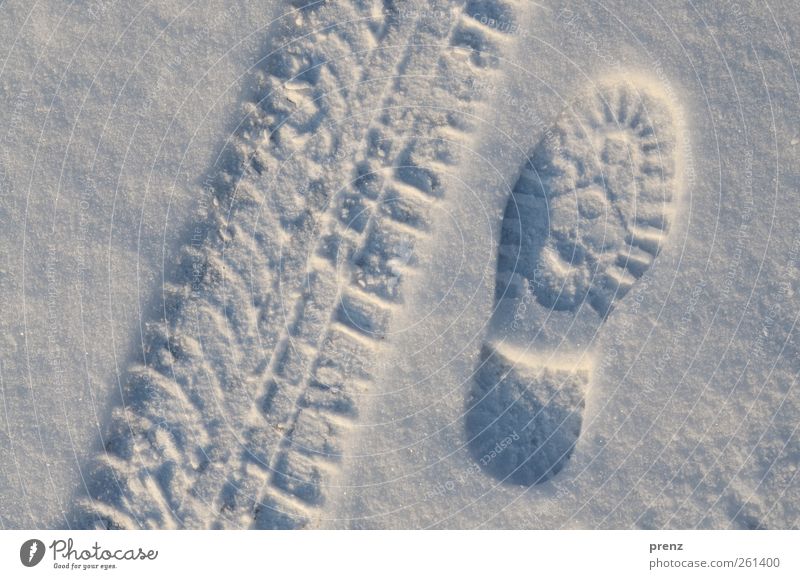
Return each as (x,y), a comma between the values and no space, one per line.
(239,415)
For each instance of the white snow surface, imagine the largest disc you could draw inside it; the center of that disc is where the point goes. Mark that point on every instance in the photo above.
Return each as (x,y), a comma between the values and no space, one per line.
(117,126)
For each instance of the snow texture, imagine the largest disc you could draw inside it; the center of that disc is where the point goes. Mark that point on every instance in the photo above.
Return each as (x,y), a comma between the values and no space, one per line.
(383,264)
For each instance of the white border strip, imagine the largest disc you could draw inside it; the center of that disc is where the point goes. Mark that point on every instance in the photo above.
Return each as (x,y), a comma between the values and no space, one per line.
(408,554)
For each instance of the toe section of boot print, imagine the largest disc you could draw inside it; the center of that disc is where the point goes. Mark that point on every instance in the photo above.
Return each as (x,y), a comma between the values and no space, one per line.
(595,199)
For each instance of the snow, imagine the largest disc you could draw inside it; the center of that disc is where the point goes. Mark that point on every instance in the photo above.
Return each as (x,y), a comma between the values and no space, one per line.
(122,128)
